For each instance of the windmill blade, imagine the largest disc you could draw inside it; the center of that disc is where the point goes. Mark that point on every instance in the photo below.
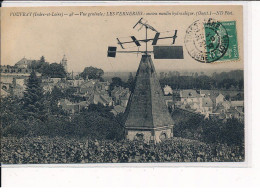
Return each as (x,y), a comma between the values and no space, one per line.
(155,38)
(174,37)
(138,22)
(145,23)
(120,43)
(135,41)
(140,28)
(150,27)
(168,52)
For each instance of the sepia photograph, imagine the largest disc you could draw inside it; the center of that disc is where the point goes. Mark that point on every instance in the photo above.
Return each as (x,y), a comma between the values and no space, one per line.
(122,84)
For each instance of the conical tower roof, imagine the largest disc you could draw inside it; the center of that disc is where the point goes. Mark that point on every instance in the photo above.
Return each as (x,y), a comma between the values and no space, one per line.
(146,108)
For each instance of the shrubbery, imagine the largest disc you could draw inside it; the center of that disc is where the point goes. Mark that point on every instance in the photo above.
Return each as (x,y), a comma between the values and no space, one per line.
(97,124)
(230,132)
(38,114)
(83,150)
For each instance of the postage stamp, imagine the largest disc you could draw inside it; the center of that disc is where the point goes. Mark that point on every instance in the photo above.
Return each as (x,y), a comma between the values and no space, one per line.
(206,41)
(210,41)
(232,51)
(122,84)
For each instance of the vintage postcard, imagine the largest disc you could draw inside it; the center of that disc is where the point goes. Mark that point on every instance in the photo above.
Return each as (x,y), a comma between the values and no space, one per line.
(122,84)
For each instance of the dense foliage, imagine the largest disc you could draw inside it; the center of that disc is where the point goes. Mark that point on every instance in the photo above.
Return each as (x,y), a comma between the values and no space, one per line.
(84,150)
(53,70)
(38,114)
(225,80)
(66,93)
(92,73)
(33,100)
(230,132)
(97,122)
(117,81)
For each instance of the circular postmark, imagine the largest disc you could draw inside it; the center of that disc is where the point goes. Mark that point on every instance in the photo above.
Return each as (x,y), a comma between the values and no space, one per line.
(206,41)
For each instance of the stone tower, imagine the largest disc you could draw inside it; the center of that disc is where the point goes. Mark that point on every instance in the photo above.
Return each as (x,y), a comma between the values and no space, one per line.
(64,63)
(147,116)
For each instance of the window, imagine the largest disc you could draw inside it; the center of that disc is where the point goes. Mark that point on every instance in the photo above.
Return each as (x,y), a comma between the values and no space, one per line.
(163,136)
(139,137)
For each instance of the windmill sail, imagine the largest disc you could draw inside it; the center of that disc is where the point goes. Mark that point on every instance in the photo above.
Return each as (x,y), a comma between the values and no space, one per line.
(168,52)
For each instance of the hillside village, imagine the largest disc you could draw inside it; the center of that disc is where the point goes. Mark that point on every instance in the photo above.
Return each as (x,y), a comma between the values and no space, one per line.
(209,103)
(87,91)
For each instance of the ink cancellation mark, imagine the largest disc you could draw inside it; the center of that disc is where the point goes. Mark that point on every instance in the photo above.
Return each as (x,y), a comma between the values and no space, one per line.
(207,41)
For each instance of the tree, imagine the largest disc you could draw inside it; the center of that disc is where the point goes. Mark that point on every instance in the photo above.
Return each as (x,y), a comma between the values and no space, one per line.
(54,70)
(234,132)
(239,96)
(92,73)
(39,65)
(116,81)
(241,84)
(100,109)
(227,97)
(162,75)
(34,65)
(212,131)
(96,123)
(11,115)
(52,99)
(56,93)
(42,60)
(33,100)
(130,82)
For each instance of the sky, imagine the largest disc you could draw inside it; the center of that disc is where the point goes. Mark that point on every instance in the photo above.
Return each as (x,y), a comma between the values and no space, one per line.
(84,40)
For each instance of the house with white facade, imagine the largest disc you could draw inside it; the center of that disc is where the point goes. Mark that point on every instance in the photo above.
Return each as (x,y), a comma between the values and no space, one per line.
(189,96)
(219,99)
(167,90)
(206,106)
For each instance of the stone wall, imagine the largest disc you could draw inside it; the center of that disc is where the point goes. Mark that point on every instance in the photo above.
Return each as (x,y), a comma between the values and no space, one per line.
(148,135)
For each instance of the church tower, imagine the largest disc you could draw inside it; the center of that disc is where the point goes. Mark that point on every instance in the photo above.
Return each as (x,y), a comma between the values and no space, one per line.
(147,117)
(64,63)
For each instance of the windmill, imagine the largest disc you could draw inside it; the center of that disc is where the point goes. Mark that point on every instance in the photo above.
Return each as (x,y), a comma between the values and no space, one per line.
(160,52)
(146,116)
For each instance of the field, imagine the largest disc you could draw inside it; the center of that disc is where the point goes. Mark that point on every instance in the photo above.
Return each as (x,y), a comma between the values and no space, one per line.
(46,150)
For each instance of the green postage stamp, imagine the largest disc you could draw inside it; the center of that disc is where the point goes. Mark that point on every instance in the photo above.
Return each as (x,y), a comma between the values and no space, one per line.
(232,50)
(210,41)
